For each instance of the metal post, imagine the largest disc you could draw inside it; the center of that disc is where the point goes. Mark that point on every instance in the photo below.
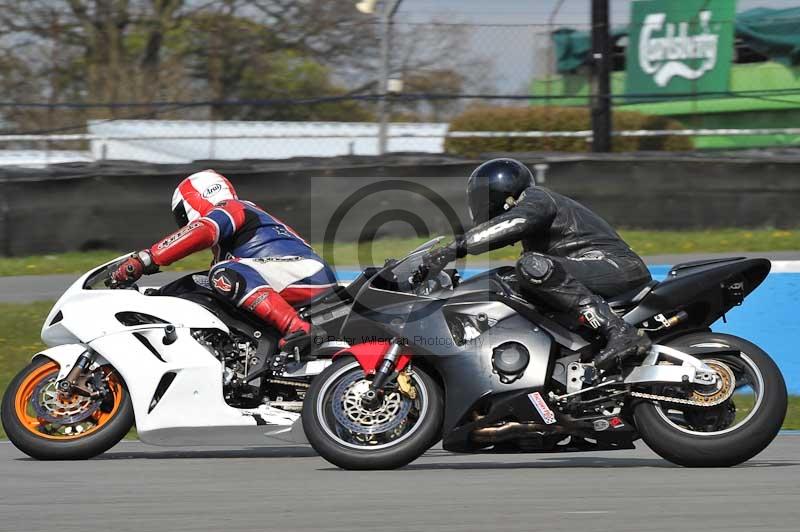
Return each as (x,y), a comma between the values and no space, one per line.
(387,16)
(5,224)
(601,86)
(212,141)
(551,56)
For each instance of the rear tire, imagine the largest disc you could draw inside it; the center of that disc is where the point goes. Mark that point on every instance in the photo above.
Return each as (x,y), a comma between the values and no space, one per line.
(47,447)
(425,433)
(728,447)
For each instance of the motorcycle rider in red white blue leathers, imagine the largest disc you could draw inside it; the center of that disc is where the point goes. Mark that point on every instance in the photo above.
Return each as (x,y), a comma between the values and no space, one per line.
(260,263)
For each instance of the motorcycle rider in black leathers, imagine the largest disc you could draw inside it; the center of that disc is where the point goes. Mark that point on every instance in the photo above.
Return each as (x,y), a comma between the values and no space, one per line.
(572,259)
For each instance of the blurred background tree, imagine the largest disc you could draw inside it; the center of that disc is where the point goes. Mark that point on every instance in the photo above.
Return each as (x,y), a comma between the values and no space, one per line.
(102,51)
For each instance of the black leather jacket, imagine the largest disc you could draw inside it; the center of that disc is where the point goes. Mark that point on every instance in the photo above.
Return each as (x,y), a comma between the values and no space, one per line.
(548,223)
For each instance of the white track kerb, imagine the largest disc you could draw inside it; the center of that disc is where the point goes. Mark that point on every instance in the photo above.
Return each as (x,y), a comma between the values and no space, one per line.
(785,266)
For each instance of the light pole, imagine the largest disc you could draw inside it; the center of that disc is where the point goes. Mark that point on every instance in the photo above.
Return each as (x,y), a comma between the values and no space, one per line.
(388,10)
(601,87)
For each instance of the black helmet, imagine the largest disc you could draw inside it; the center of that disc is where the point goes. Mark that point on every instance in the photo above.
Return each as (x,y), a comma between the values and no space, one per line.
(492,183)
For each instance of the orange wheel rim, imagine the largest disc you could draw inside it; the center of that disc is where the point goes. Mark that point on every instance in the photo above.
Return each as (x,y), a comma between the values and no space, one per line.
(26,413)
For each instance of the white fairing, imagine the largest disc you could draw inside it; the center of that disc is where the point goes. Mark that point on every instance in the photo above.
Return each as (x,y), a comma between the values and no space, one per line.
(193,409)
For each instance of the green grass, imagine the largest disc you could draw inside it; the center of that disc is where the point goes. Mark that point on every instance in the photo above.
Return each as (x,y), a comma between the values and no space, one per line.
(19,336)
(19,339)
(20,325)
(348,254)
(744,403)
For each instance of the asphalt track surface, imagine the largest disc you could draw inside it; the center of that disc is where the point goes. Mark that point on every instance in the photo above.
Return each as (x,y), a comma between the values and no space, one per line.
(29,288)
(135,487)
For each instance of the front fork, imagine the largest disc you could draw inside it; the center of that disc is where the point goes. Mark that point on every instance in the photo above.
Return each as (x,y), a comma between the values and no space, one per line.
(76,380)
(374,396)
(387,365)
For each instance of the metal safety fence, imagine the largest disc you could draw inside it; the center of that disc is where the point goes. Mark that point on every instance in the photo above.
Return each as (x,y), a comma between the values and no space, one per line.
(287,140)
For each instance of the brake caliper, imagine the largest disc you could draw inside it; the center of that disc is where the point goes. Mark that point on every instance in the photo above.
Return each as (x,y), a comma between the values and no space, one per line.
(406,388)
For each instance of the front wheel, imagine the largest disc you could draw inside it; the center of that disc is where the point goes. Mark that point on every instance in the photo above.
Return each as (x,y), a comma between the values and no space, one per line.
(352,433)
(48,425)
(731,432)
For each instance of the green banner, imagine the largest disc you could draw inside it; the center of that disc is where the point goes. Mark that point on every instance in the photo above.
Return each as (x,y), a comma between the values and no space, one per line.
(679,46)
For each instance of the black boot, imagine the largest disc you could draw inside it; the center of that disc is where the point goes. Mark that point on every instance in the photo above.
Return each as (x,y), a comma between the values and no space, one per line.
(622,340)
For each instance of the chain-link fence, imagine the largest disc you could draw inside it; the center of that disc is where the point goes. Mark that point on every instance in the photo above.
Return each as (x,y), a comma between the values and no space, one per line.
(315,103)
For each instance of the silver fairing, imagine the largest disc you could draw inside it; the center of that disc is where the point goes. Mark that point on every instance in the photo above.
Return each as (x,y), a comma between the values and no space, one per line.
(475,365)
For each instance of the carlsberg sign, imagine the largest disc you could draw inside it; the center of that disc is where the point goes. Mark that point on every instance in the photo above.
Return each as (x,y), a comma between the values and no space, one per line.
(669,56)
(679,46)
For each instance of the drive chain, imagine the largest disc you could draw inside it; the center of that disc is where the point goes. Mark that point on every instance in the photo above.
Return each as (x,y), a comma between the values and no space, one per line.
(667,399)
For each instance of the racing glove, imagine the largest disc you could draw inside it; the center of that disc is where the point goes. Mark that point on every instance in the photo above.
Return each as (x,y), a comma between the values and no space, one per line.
(436,259)
(132,268)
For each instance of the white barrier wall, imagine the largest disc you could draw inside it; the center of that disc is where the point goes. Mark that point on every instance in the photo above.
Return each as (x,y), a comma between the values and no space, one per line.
(41,158)
(183,141)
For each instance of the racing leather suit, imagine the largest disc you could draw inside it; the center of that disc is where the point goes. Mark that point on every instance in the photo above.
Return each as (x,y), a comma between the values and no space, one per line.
(562,237)
(571,260)
(260,263)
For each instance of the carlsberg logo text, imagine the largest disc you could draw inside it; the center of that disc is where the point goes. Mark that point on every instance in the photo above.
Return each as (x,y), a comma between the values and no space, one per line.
(664,55)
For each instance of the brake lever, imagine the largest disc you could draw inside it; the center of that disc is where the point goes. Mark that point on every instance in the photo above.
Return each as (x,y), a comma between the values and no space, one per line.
(120,285)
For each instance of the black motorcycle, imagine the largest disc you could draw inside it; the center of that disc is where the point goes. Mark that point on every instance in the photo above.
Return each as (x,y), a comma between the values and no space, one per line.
(478,366)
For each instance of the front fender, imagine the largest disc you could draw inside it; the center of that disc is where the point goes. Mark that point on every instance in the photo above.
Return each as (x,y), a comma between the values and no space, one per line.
(370,354)
(65,356)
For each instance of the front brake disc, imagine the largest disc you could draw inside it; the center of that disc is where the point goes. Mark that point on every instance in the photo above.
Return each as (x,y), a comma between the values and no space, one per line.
(352,415)
(54,407)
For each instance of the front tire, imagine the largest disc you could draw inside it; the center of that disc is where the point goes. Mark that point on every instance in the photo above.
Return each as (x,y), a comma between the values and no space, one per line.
(348,436)
(32,408)
(688,439)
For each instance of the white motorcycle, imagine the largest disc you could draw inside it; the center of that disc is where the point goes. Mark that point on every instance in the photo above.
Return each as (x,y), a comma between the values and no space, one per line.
(182,364)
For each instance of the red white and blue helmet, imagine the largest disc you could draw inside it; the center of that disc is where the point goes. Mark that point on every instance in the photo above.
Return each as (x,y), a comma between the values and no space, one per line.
(198,194)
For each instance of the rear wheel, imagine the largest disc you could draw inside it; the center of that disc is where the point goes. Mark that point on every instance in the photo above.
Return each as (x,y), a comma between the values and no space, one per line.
(354,434)
(731,432)
(46,424)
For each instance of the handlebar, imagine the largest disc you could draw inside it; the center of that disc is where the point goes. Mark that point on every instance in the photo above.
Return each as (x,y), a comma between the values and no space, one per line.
(109,281)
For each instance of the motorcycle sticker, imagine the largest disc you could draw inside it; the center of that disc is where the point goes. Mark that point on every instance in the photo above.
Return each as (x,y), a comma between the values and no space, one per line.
(548,416)
(616,423)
